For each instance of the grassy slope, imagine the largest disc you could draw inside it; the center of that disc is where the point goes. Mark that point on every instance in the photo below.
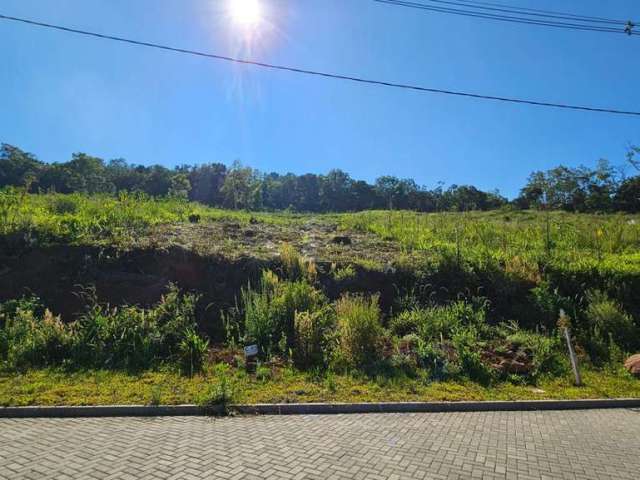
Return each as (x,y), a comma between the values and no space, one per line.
(514,241)
(56,387)
(517,239)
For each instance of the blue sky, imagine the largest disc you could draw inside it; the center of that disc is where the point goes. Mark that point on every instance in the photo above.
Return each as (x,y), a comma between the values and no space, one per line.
(61,93)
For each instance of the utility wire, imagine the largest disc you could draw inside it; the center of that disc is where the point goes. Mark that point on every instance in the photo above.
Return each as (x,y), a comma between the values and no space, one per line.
(624,29)
(317,73)
(530,11)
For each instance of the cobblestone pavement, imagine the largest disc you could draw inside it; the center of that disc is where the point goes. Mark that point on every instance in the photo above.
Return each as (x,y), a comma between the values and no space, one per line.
(594,444)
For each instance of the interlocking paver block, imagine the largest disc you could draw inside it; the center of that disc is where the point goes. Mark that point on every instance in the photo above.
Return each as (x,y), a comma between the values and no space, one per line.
(483,445)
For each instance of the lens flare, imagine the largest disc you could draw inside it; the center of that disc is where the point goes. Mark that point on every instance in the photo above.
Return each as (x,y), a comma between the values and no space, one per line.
(246,13)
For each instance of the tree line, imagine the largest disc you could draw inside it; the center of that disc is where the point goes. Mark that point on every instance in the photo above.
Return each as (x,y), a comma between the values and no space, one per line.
(580,189)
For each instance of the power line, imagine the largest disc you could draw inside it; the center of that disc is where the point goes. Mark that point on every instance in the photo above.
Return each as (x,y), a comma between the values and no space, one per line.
(504,18)
(317,73)
(624,28)
(533,11)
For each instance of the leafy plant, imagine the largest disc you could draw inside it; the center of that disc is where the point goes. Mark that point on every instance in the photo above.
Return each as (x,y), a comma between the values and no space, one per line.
(359,330)
(269,312)
(609,325)
(220,393)
(312,338)
(193,352)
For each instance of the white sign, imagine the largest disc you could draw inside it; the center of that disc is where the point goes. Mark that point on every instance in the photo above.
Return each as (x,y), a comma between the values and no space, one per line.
(251,350)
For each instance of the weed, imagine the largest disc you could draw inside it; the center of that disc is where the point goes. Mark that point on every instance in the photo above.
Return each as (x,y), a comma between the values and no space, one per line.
(193,351)
(220,393)
(359,328)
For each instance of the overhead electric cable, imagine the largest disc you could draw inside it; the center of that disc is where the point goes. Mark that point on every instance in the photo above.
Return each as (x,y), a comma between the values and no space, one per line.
(502,7)
(626,29)
(315,72)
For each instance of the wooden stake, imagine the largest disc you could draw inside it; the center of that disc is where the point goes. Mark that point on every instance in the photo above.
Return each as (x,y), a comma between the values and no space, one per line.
(574,359)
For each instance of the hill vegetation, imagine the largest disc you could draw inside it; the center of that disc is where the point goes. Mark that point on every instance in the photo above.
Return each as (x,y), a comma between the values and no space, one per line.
(387,304)
(582,189)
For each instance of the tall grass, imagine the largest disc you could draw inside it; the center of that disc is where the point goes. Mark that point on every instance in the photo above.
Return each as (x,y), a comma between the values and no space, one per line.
(360,330)
(504,236)
(126,337)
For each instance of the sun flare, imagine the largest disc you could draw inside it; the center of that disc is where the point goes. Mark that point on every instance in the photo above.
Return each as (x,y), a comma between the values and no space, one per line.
(245,13)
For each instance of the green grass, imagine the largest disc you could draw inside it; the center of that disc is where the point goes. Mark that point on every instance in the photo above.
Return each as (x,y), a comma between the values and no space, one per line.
(105,219)
(517,240)
(100,387)
(526,264)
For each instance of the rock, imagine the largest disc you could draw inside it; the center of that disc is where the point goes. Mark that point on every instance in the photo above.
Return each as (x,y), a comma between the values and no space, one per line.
(341,240)
(633,365)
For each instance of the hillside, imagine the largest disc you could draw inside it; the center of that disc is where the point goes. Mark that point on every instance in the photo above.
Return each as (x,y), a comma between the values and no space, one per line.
(441,296)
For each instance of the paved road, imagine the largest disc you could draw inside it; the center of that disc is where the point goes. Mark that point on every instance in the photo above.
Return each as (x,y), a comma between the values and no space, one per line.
(595,444)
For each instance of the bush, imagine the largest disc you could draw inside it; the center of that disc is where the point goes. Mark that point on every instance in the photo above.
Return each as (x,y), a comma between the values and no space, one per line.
(359,330)
(131,337)
(406,322)
(441,322)
(312,345)
(468,346)
(295,267)
(193,352)
(61,205)
(31,338)
(438,359)
(125,337)
(269,312)
(609,325)
(546,352)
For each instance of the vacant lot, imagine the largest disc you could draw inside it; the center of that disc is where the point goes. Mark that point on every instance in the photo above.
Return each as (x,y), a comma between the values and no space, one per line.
(134,299)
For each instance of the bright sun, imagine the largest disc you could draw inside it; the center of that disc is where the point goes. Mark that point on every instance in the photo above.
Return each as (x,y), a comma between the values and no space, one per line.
(245,13)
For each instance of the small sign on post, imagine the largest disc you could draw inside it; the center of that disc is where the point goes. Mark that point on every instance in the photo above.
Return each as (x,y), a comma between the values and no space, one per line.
(250,351)
(250,357)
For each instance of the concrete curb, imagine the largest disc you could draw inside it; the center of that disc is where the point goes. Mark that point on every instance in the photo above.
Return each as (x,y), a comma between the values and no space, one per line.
(313,408)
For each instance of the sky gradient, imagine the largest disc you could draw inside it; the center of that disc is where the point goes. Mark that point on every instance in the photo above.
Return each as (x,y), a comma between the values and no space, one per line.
(62,93)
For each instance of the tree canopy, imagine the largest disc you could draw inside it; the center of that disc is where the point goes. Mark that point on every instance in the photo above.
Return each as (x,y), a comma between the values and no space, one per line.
(580,189)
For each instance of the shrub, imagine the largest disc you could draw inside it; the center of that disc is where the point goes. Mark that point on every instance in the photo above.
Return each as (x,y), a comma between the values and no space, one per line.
(545,352)
(468,346)
(441,322)
(193,352)
(438,359)
(269,312)
(406,322)
(343,274)
(359,329)
(61,205)
(131,337)
(312,346)
(608,325)
(31,336)
(547,303)
(125,337)
(295,267)
(33,340)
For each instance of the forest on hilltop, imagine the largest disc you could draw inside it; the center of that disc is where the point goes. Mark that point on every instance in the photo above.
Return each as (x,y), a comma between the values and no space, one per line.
(604,188)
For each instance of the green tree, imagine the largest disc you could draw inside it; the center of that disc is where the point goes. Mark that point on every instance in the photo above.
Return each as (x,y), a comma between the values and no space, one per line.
(206,183)
(17,167)
(241,188)
(628,195)
(180,186)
